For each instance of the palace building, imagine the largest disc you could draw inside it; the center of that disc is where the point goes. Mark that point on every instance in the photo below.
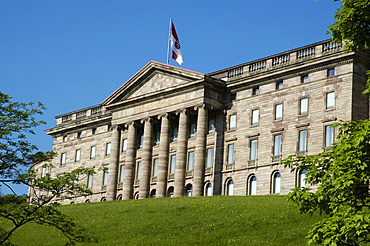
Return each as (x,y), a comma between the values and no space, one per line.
(168,131)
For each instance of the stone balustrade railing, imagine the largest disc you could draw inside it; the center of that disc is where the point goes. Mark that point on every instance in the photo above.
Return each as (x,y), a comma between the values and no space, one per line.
(279,60)
(83,114)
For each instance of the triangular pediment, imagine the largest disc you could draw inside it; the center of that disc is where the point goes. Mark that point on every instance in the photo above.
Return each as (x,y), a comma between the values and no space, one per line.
(154,77)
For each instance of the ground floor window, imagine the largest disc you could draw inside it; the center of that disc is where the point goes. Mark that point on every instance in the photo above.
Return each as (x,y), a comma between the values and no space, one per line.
(230,187)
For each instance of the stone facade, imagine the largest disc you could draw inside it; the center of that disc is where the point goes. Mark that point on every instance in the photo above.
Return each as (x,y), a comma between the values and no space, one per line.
(168,131)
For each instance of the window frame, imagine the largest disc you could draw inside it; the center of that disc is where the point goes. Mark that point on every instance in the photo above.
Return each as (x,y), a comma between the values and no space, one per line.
(253,149)
(330,100)
(253,122)
(63,159)
(108,148)
(277,110)
(256,91)
(301,112)
(232,122)
(305,79)
(121,177)
(191,161)
(209,157)
(330,72)
(231,154)
(78,155)
(279,85)
(277,147)
(172,165)
(300,142)
(124,144)
(92,152)
(155,167)
(328,129)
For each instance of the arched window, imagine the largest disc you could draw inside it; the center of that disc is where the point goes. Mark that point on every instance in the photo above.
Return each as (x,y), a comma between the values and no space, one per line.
(87,200)
(103,199)
(276,183)
(302,178)
(230,187)
(119,197)
(136,196)
(189,190)
(253,186)
(208,190)
(152,193)
(170,191)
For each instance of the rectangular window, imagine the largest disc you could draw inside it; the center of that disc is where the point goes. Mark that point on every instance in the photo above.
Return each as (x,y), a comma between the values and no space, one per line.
(193,130)
(279,111)
(210,157)
(230,154)
(124,145)
(232,123)
(79,134)
(122,174)
(279,85)
(256,91)
(277,145)
(155,167)
(253,149)
(105,177)
(157,137)
(141,141)
(89,180)
(108,149)
(304,79)
(211,126)
(92,152)
(329,136)
(330,100)
(303,106)
(173,164)
(175,133)
(302,145)
(93,131)
(138,169)
(65,138)
(78,155)
(191,161)
(331,72)
(63,159)
(255,117)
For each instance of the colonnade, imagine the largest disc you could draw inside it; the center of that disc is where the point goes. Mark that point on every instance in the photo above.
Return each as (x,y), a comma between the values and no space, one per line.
(163,158)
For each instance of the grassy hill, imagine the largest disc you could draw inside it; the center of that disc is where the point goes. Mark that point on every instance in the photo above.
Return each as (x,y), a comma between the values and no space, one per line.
(252,220)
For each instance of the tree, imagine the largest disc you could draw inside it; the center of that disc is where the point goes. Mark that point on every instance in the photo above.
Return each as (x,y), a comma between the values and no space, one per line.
(342,172)
(17,156)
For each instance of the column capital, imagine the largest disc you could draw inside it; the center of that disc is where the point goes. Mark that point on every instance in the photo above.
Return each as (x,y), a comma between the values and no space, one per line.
(150,120)
(130,123)
(203,106)
(163,115)
(180,111)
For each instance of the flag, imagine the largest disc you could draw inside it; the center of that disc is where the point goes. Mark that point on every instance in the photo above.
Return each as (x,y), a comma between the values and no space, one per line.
(175,45)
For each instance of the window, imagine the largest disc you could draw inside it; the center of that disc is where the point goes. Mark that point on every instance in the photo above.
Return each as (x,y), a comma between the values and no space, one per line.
(124,145)
(256,91)
(193,130)
(302,145)
(89,180)
(331,72)
(92,152)
(330,100)
(277,145)
(157,137)
(209,157)
(279,111)
(65,138)
(230,188)
(79,134)
(209,189)
(232,123)
(253,149)
(141,141)
(303,106)
(230,154)
(93,131)
(63,159)
(255,117)
(105,177)
(329,136)
(170,191)
(138,169)
(279,85)
(122,173)
(276,183)
(109,128)
(78,155)
(155,167)
(175,133)
(108,147)
(253,186)
(152,193)
(191,161)
(304,79)
(211,126)
(173,164)
(302,178)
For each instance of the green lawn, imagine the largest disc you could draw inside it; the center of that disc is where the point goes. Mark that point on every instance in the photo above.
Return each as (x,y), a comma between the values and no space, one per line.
(219,220)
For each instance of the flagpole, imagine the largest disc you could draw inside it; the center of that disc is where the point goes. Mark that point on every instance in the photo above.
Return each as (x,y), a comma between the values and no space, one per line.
(169,42)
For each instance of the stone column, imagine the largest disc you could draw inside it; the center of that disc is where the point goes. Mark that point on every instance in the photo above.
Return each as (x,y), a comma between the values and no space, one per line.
(200,151)
(146,161)
(163,156)
(128,184)
(181,154)
(113,164)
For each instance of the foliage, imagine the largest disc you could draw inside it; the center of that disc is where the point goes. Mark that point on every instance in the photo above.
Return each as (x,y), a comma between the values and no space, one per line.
(342,175)
(17,156)
(217,220)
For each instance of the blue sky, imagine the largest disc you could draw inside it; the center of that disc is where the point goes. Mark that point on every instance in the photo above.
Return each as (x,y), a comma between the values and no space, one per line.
(71,54)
